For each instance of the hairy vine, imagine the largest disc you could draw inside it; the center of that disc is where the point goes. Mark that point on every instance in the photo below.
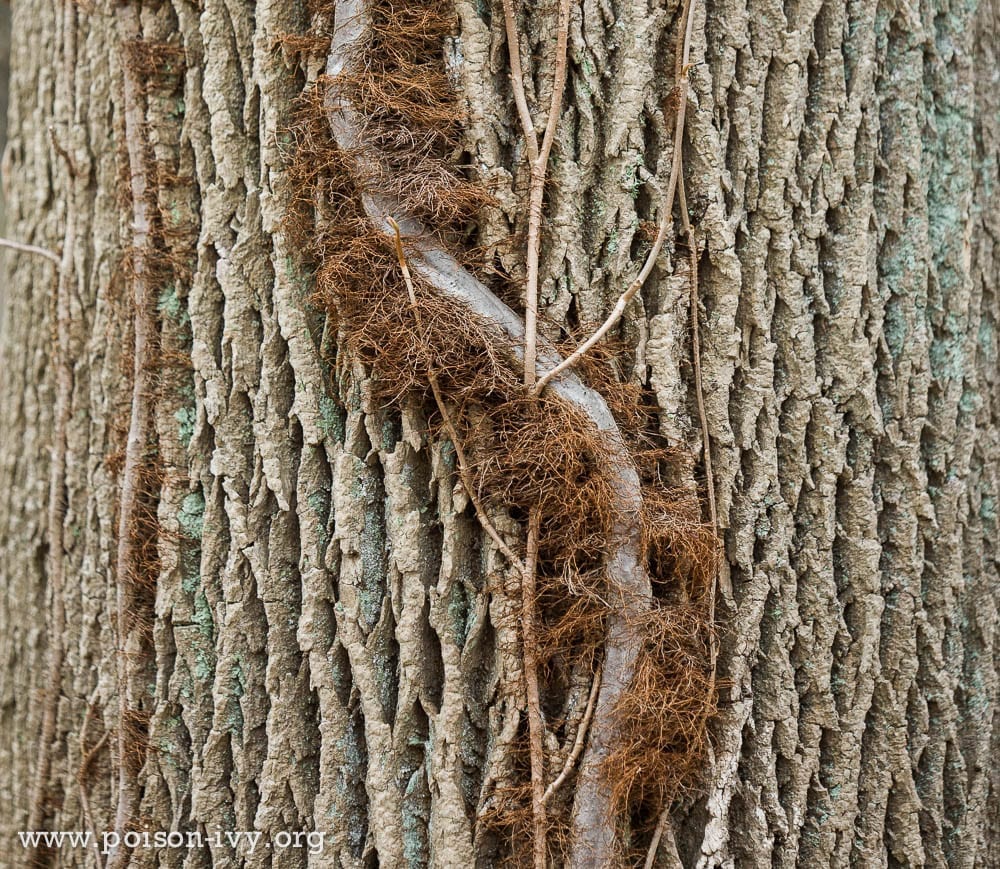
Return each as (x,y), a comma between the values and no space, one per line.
(135,546)
(613,571)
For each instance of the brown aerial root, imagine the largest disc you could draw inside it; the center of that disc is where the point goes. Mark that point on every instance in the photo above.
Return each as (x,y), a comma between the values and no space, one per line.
(681,549)
(152,61)
(384,334)
(395,78)
(510,820)
(545,453)
(134,739)
(407,111)
(381,218)
(415,169)
(662,738)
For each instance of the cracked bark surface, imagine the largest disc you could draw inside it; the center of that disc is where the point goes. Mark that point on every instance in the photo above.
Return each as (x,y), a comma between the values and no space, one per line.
(325,655)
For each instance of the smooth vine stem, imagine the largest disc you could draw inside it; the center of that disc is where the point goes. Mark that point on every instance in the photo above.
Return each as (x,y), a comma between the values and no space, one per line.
(703,419)
(654,844)
(682,64)
(517,81)
(682,59)
(706,447)
(696,357)
(536,195)
(32,249)
(463,466)
(579,742)
(531,292)
(663,832)
(699,392)
(531,146)
(666,221)
(558,83)
(535,723)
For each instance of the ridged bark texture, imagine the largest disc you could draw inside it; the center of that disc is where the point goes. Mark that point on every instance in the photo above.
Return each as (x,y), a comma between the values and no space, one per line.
(326,653)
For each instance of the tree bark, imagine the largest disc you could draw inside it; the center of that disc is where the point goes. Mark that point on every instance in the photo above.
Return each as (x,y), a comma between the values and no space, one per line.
(325,649)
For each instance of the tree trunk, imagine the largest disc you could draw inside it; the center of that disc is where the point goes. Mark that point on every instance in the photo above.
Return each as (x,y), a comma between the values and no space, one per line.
(307,628)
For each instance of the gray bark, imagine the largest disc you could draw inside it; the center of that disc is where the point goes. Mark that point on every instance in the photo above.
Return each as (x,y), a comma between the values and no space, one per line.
(326,654)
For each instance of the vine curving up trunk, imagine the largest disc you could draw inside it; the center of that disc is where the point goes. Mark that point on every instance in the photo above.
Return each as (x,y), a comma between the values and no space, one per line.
(593,827)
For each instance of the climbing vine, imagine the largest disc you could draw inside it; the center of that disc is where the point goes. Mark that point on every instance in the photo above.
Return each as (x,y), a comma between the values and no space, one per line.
(612,573)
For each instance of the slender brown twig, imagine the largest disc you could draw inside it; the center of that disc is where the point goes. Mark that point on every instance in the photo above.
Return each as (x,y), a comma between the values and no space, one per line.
(538,161)
(663,833)
(666,221)
(32,249)
(536,195)
(517,81)
(703,419)
(535,723)
(579,741)
(681,67)
(696,357)
(654,844)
